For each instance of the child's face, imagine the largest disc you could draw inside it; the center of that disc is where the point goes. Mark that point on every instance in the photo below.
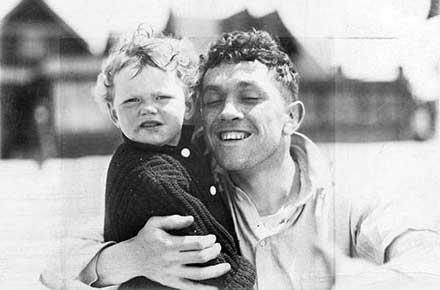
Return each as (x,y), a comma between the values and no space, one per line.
(149,108)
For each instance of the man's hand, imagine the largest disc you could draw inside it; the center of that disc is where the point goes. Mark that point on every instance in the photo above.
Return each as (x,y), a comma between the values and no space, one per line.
(161,257)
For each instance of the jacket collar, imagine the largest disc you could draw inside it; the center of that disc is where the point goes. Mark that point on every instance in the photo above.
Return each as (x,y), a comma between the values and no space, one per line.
(314,170)
(314,166)
(185,141)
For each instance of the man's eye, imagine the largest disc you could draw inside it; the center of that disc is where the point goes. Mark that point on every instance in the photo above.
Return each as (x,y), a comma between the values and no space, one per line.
(212,102)
(211,99)
(250,98)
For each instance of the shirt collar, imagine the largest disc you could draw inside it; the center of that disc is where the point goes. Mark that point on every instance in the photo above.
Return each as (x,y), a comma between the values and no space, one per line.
(313,171)
(313,165)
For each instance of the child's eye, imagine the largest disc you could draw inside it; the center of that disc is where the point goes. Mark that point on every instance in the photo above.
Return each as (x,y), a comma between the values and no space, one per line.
(131,101)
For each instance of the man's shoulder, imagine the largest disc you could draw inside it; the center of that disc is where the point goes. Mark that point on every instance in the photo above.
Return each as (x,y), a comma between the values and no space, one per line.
(319,169)
(311,160)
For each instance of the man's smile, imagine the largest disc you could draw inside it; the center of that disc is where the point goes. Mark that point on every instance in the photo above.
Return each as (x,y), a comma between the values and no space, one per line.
(233,135)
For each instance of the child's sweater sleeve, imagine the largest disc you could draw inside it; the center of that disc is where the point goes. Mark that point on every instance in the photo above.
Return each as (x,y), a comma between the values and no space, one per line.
(162,187)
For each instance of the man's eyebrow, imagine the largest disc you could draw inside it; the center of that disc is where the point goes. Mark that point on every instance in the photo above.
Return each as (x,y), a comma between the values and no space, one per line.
(246,84)
(251,85)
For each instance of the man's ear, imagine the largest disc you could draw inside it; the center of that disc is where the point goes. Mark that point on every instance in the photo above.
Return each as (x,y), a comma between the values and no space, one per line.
(296,113)
(112,114)
(190,108)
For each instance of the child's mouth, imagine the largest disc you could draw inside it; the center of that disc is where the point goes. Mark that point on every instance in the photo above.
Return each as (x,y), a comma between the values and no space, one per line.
(150,124)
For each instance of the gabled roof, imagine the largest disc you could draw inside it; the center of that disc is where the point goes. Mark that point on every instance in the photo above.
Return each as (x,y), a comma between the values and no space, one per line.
(306,63)
(94,20)
(273,24)
(34,11)
(238,21)
(202,31)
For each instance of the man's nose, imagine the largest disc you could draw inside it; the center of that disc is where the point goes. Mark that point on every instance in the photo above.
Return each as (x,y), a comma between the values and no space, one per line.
(231,111)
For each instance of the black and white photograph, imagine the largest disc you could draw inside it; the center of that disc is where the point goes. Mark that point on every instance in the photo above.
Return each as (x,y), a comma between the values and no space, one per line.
(236,144)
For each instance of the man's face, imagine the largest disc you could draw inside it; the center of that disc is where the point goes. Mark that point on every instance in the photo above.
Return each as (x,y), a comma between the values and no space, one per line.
(243,115)
(150,107)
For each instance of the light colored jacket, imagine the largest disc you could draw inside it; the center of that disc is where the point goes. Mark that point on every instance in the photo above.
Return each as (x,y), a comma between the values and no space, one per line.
(351,240)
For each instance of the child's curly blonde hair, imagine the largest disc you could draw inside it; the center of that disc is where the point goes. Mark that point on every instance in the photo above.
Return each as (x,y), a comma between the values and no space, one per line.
(147,48)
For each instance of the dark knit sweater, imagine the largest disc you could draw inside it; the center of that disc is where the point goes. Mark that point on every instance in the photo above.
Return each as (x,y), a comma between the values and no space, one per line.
(145,181)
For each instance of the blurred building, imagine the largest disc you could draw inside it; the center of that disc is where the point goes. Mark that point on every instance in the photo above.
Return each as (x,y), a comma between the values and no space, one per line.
(47,73)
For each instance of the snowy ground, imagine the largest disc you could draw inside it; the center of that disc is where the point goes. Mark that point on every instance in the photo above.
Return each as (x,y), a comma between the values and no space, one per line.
(38,205)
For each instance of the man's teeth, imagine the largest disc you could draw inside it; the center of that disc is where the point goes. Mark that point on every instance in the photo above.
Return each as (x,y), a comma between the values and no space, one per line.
(228,136)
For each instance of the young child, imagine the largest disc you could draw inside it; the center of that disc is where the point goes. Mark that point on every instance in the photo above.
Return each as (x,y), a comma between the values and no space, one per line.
(145,85)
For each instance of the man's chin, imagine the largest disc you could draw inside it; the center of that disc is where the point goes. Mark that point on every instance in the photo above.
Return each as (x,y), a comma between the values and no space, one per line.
(231,163)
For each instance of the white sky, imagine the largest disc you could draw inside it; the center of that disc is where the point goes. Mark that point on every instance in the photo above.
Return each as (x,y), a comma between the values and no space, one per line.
(368,38)
(309,18)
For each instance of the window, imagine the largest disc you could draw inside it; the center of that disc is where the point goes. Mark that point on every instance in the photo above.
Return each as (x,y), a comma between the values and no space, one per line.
(32,45)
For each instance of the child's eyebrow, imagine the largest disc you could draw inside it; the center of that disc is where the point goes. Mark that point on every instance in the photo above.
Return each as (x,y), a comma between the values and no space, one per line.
(163,92)
(158,93)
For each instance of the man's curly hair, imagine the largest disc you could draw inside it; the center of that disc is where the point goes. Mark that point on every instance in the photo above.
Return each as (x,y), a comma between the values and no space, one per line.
(238,46)
(144,48)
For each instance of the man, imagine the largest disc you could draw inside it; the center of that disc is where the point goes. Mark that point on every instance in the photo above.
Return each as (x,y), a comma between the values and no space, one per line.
(281,197)
(298,234)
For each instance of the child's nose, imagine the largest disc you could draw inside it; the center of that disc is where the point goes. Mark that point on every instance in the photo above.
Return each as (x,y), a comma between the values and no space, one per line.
(147,109)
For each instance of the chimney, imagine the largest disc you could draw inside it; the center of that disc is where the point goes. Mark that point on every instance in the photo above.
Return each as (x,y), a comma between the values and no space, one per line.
(435,8)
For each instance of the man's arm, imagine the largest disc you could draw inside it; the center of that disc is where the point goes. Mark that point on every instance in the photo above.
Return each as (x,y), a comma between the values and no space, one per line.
(161,257)
(396,242)
(72,255)
(413,263)
(153,253)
